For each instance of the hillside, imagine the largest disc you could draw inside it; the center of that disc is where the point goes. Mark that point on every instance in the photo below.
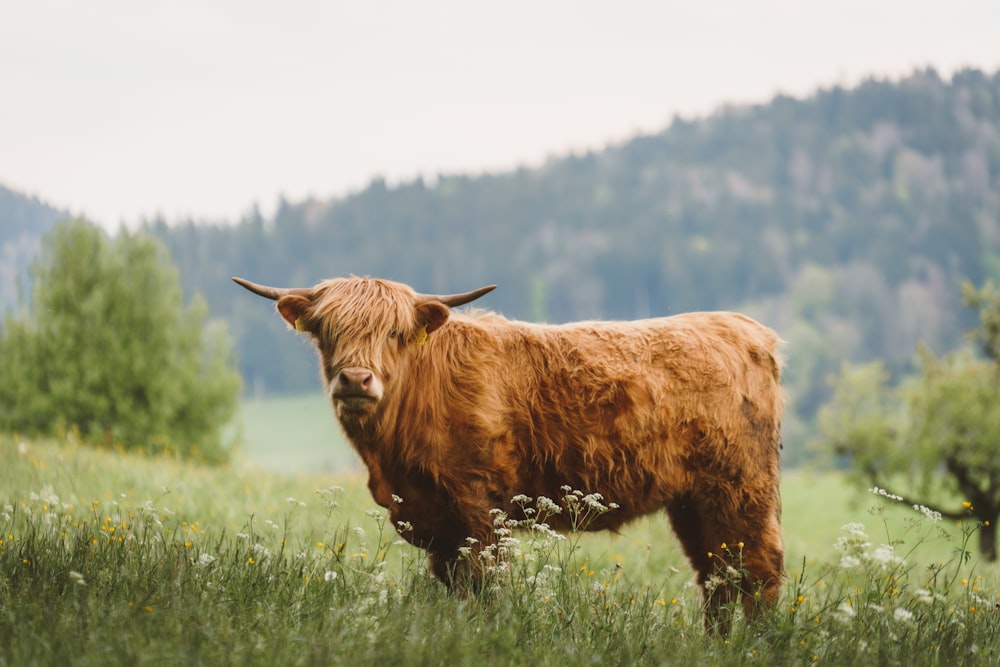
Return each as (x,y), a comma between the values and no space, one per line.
(847,220)
(23,221)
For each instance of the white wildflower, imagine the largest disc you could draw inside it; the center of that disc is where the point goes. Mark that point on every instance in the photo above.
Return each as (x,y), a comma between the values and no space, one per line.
(547,506)
(902,615)
(845,611)
(857,529)
(360,532)
(849,562)
(77,578)
(397,499)
(204,560)
(885,494)
(329,575)
(544,529)
(373,513)
(294,501)
(593,501)
(520,499)
(886,556)
(932,515)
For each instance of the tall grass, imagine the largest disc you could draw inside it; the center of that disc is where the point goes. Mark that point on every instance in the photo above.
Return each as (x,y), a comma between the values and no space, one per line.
(111,559)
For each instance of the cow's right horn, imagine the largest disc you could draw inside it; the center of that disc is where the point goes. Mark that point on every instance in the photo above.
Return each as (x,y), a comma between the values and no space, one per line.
(455,300)
(273,293)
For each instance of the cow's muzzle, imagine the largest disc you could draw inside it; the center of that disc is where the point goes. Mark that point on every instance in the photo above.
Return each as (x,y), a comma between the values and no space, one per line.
(356,388)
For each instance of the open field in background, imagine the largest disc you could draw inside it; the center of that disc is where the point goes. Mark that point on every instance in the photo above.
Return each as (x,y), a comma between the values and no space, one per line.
(110,558)
(294,433)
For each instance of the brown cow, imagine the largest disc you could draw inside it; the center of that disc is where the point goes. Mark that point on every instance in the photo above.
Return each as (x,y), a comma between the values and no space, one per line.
(457,413)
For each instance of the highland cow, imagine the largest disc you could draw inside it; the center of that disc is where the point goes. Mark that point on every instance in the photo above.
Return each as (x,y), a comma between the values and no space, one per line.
(457,413)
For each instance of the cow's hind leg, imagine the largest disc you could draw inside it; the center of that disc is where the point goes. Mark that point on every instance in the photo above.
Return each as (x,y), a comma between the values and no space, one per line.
(736,552)
(693,531)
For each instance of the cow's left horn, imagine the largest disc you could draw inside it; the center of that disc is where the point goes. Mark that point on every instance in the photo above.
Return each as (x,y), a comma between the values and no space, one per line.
(455,300)
(273,293)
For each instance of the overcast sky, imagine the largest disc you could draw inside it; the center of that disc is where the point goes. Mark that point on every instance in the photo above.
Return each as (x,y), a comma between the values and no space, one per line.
(123,109)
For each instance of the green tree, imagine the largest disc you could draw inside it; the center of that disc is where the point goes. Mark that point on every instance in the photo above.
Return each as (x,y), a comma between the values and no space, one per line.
(933,438)
(107,346)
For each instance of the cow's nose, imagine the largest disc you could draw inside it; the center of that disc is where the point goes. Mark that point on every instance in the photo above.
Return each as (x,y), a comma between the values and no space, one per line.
(356,380)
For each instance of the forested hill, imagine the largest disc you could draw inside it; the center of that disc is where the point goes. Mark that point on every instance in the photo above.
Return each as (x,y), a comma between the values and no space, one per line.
(846,220)
(23,222)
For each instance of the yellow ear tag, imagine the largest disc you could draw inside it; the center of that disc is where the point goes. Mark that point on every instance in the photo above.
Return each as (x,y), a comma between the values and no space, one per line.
(300,324)
(422,335)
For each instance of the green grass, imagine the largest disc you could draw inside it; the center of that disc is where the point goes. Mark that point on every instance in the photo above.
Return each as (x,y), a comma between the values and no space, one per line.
(117,559)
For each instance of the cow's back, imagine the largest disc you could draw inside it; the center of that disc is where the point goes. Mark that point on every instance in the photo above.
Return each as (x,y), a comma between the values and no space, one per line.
(637,411)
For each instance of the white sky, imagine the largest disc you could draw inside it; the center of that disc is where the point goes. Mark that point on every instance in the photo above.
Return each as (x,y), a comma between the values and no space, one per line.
(123,109)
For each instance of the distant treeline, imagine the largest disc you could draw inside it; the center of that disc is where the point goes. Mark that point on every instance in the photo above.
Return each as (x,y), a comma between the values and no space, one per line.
(846,220)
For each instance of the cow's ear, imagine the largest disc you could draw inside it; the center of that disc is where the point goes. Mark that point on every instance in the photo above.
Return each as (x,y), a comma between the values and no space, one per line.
(432,314)
(293,309)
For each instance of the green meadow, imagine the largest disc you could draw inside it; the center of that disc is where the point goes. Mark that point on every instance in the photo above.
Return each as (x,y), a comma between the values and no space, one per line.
(282,558)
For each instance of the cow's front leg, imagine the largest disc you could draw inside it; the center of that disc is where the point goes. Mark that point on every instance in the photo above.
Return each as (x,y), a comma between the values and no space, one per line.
(461,558)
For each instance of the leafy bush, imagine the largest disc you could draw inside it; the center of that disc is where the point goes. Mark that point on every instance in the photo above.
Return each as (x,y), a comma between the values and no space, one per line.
(106,348)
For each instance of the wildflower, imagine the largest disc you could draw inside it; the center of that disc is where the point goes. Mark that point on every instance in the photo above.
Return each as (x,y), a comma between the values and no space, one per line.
(885,494)
(329,575)
(856,529)
(967,505)
(397,499)
(849,562)
(845,612)
(886,556)
(204,560)
(902,615)
(294,501)
(404,527)
(77,578)
(931,515)
(373,513)
(547,506)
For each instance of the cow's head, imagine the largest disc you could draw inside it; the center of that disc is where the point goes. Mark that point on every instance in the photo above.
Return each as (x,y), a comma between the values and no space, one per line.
(361,327)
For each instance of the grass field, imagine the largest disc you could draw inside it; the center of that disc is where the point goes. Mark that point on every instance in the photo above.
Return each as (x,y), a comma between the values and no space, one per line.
(117,559)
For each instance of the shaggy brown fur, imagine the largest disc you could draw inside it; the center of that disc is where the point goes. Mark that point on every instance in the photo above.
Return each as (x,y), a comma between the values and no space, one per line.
(678,413)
